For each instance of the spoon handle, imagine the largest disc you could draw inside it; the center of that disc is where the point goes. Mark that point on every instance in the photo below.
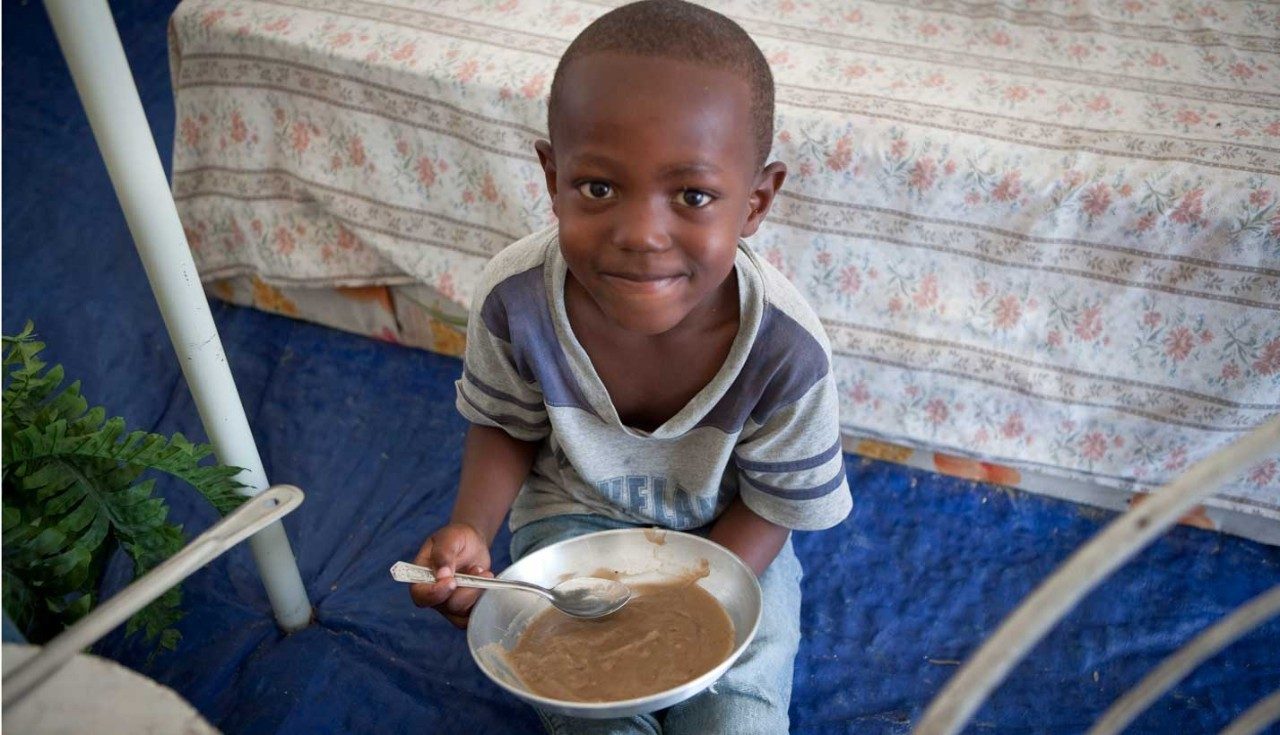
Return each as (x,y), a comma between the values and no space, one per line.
(403,571)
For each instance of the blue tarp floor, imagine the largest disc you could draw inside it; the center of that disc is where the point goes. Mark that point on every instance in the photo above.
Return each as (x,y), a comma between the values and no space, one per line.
(912,582)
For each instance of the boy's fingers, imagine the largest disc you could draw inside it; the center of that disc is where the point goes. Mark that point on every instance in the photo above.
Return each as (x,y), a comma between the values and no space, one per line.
(431,595)
(458,620)
(444,553)
(461,601)
(424,554)
(459,604)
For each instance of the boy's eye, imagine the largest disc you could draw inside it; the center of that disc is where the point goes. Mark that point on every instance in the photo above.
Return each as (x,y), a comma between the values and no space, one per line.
(694,198)
(595,190)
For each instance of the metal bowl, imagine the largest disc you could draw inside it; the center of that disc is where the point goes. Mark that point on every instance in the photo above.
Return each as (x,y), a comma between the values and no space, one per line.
(641,556)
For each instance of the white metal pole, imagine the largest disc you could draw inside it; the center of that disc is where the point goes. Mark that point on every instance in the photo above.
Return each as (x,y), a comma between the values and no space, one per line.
(89,40)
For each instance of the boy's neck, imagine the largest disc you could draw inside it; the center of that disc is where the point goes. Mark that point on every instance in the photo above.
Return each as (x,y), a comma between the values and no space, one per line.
(651,378)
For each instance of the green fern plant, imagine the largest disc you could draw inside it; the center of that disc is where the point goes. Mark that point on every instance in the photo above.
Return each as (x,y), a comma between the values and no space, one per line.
(73,494)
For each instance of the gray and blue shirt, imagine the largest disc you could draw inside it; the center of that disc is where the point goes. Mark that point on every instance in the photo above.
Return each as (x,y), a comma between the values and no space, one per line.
(766,426)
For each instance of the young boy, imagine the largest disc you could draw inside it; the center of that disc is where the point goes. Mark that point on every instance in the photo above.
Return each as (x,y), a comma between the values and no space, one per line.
(638,365)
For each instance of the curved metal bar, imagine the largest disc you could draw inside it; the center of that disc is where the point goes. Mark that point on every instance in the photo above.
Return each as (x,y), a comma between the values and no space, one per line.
(1172,670)
(1257,718)
(1092,563)
(257,512)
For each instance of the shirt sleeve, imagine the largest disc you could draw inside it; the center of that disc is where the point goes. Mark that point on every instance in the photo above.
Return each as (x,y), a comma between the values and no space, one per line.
(791,470)
(494,390)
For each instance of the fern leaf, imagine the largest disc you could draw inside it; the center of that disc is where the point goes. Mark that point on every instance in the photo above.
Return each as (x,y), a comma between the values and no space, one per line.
(72,494)
(139,449)
(19,601)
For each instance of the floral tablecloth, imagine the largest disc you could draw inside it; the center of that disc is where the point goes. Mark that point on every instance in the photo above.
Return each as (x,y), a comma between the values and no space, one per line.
(1043,233)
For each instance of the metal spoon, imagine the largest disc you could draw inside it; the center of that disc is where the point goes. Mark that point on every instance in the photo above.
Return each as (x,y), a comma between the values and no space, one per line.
(581,597)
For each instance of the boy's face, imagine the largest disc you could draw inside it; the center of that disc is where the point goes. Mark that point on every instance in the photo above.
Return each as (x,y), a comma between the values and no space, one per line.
(654,177)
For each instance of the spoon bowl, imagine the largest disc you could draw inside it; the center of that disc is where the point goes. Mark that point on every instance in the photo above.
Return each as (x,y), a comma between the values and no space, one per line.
(590,597)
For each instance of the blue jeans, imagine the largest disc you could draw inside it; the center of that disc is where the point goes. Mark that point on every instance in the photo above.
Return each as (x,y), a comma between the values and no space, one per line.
(752,697)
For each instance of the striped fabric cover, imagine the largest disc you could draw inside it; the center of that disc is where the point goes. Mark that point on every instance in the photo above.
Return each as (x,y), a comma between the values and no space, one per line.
(1039,233)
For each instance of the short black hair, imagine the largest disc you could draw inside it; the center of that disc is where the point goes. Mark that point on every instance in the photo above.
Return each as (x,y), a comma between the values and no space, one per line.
(674,29)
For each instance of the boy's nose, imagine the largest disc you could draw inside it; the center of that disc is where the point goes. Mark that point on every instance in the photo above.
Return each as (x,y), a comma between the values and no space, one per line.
(641,227)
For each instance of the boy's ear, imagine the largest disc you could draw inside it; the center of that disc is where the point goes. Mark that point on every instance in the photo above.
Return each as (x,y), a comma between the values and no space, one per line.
(767,185)
(547,159)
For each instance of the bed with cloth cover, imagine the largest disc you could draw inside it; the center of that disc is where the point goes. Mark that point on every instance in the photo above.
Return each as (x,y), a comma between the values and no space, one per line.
(1043,237)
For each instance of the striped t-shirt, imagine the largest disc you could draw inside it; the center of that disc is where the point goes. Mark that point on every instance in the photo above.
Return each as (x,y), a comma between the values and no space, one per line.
(765,427)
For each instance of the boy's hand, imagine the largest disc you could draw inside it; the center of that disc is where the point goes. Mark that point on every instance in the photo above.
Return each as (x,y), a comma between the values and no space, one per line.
(456,547)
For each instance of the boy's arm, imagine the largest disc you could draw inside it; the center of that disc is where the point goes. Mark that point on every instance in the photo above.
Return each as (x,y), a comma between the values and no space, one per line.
(742,531)
(790,465)
(494,467)
(503,400)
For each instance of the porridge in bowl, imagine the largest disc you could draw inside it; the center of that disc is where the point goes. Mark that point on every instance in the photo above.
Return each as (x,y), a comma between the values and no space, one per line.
(667,635)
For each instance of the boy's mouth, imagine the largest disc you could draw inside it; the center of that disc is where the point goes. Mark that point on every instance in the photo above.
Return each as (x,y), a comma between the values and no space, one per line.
(640,282)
